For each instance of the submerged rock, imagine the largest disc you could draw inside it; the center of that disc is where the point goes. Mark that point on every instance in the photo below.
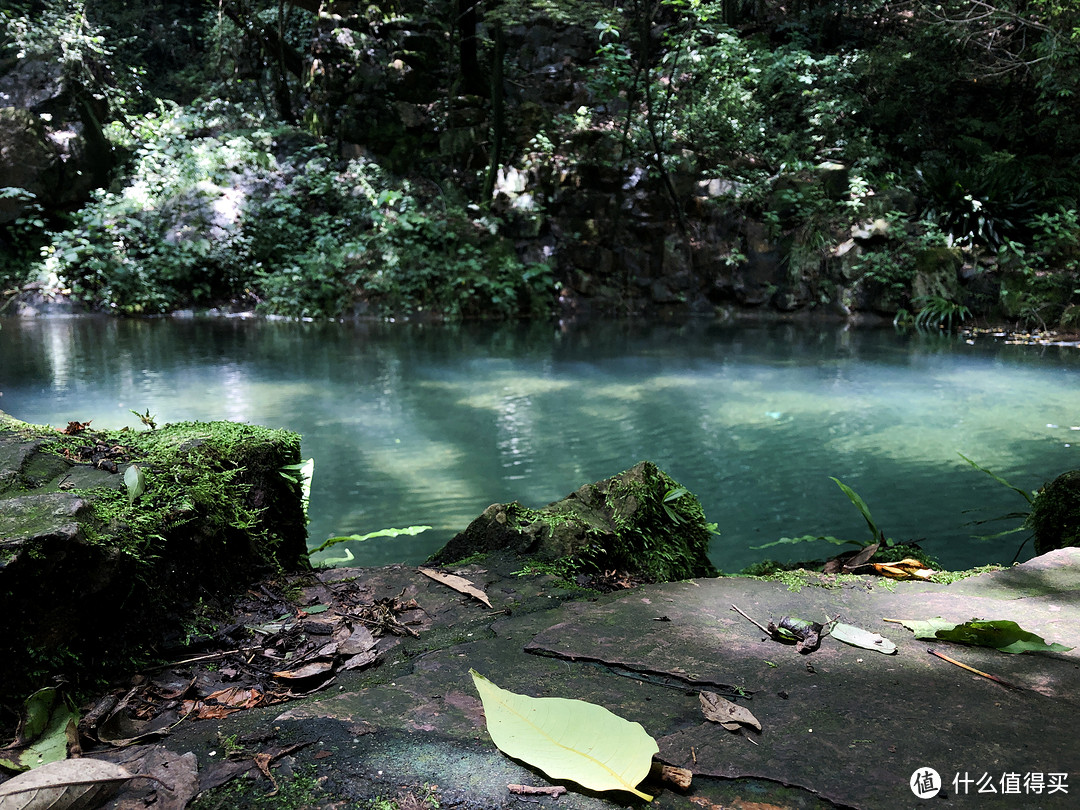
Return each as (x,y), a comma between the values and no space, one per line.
(90,575)
(639,522)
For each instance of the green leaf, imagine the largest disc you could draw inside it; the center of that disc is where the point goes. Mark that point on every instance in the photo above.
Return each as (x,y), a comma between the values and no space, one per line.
(853,496)
(808,538)
(48,725)
(359,538)
(1003,635)
(857,637)
(675,494)
(1027,496)
(568,739)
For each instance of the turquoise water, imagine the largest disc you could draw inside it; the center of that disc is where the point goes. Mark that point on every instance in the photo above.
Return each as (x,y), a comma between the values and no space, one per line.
(412,424)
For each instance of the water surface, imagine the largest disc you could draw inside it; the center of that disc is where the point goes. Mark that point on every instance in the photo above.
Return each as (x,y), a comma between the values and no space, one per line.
(412,424)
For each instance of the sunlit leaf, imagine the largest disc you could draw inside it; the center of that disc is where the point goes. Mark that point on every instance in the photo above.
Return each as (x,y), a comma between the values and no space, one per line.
(1003,635)
(857,637)
(908,568)
(568,739)
(359,538)
(135,481)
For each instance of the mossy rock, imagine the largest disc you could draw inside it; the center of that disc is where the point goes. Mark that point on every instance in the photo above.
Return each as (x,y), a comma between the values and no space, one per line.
(91,580)
(639,522)
(936,273)
(1055,513)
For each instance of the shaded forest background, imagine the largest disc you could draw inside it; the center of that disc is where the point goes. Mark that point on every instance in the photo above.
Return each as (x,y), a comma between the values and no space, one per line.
(473,158)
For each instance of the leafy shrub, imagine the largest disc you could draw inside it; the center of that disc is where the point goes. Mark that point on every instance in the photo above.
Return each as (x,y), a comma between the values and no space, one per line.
(984,204)
(938,312)
(219,206)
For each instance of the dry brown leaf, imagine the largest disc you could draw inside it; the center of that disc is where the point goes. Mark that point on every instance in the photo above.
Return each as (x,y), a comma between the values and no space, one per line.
(306,671)
(904,569)
(862,557)
(359,641)
(63,784)
(359,660)
(459,584)
(726,713)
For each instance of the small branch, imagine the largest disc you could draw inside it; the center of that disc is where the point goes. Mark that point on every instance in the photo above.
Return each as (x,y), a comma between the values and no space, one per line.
(994,678)
(198,658)
(530,790)
(764,630)
(679,777)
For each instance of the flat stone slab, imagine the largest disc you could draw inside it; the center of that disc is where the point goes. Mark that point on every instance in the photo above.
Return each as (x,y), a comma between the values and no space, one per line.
(850,724)
(841,726)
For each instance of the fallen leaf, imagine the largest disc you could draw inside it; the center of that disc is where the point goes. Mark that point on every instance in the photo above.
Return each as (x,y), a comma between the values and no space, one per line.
(863,556)
(120,731)
(1003,635)
(729,715)
(359,660)
(459,584)
(360,640)
(47,728)
(306,671)
(857,637)
(904,569)
(161,779)
(63,784)
(568,739)
(135,481)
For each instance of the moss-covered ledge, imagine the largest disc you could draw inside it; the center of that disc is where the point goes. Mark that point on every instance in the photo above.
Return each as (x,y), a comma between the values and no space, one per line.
(92,578)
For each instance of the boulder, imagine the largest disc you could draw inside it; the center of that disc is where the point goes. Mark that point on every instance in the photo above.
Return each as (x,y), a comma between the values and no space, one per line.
(639,522)
(1055,513)
(93,573)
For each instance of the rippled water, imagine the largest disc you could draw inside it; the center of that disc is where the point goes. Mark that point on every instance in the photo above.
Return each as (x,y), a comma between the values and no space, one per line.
(413,424)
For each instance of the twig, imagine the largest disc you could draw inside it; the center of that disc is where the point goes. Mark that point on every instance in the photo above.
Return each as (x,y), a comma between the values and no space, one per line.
(994,678)
(679,777)
(208,657)
(530,790)
(762,629)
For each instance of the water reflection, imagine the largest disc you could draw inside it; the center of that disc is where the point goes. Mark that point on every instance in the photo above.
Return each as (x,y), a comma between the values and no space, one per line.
(422,424)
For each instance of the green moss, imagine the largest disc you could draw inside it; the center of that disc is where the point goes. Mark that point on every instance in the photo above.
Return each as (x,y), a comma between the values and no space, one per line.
(668,536)
(192,476)
(564,571)
(213,514)
(300,790)
(949,577)
(472,559)
(799,578)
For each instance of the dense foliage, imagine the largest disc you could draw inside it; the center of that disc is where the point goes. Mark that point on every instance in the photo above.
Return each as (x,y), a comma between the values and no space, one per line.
(325,159)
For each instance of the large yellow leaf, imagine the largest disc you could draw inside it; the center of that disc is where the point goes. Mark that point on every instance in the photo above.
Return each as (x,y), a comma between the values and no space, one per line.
(568,739)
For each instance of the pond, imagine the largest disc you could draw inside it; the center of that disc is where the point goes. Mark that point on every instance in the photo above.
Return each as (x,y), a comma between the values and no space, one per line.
(420,424)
